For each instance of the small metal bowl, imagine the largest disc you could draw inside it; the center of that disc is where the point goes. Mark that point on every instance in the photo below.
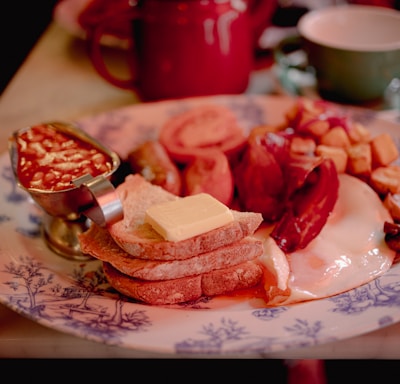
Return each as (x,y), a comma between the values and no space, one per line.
(67,212)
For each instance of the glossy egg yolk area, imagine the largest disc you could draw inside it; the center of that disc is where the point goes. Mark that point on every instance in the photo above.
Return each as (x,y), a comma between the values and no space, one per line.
(49,159)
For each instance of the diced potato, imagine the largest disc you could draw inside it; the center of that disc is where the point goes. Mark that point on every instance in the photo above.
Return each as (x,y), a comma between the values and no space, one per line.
(338,155)
(392,203)
(386,180)
(292,112)
(304,145)
(312,107)
(359,161)
(336,137)
(359,134)
(313,126)
(383,150)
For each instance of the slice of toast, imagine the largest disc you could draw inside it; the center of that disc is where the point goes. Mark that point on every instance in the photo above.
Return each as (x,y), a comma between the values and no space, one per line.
(98,243)
(218,282)
(140,240)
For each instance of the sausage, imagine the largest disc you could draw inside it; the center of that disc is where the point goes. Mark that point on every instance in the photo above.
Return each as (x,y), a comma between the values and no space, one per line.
(152,161)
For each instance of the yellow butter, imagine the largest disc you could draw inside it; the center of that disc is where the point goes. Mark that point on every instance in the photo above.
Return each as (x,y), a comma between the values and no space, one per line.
(189,216)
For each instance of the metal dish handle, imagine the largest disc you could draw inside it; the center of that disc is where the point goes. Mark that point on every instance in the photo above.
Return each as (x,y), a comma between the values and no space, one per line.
(105,207)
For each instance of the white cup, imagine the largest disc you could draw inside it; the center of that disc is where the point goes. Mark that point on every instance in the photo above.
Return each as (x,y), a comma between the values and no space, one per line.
(354,49)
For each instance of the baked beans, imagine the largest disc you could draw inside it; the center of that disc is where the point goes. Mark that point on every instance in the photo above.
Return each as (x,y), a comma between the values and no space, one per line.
(50,159)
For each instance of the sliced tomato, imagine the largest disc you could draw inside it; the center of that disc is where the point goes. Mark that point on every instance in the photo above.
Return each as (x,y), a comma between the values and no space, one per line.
(308,209)
(194,132)
(297,168)
(259,177)
(296,192)
(210,174)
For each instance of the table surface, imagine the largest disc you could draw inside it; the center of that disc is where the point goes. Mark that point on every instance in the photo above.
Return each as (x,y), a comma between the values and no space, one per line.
(57,82)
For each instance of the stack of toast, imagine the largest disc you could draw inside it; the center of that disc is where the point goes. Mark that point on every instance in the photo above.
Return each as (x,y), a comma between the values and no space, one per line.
(139,263)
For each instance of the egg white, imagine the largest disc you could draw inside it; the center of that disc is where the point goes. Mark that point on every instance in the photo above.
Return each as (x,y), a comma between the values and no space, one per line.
(348,252)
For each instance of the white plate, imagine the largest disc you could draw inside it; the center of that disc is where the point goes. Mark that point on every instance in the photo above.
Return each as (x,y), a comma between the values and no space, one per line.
(71,296)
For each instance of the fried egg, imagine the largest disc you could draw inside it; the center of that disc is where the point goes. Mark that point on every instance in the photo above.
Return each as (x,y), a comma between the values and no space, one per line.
(349,251)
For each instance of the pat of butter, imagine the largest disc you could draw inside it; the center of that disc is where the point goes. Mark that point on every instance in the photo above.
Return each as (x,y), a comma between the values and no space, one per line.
(188,216)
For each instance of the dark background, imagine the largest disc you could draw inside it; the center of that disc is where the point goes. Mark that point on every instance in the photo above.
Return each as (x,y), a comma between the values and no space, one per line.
(22,23)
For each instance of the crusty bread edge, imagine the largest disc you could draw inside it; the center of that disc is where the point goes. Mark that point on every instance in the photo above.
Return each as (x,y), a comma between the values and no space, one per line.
(98,243)
(218,282)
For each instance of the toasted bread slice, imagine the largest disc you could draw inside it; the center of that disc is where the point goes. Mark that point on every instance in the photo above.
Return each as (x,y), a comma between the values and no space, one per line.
(218,282)
(98,243)
(140,240)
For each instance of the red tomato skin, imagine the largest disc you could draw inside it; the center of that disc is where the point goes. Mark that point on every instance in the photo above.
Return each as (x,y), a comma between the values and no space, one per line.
(260,182)
(210,174)
(308,209)
(296,193)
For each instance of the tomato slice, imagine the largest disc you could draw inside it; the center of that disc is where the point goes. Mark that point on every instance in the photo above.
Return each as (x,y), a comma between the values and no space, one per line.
(210,174)
(194,132)
(308,209)
(297,168)
(259,177)
(297,192)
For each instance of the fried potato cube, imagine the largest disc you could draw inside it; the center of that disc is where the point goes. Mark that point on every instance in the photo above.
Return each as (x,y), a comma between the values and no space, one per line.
(313,126)
(386,180)
(358,133)
(383,150)
(312,106)
(336,137)
(338,155)
(359,161)
(392,203)
(303,145)
(292,112)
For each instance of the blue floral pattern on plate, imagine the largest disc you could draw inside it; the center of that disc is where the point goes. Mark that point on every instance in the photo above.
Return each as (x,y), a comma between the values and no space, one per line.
(74,297)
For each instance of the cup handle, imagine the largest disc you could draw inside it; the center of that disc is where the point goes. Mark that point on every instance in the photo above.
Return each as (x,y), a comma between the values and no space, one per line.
(289,52)
(290,55)
(94,37)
